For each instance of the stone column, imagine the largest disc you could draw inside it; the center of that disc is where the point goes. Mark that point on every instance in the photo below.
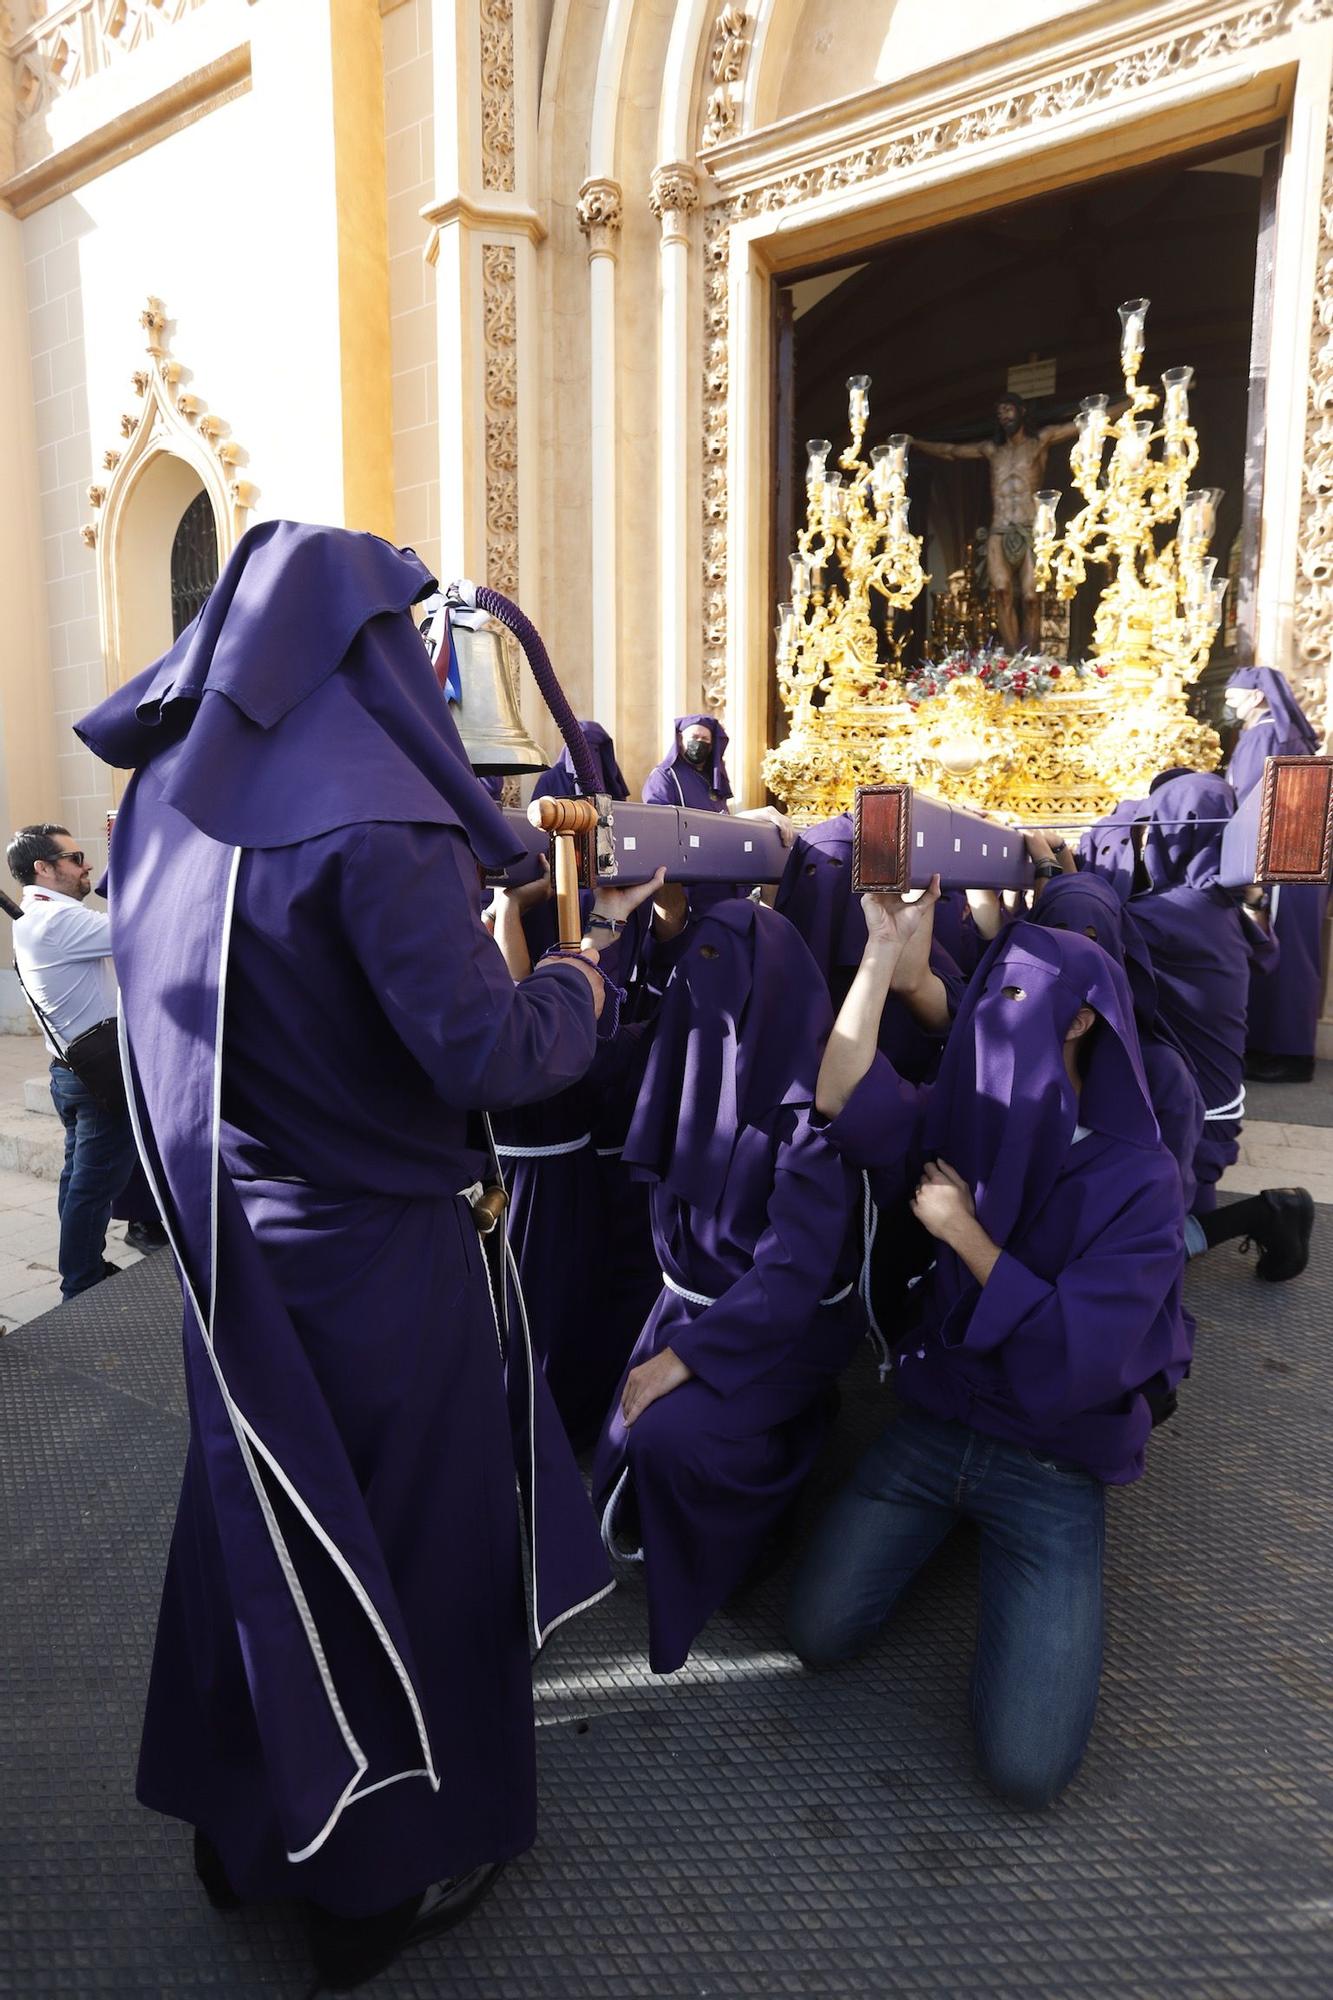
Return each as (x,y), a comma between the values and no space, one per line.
(674,197)
(601,212)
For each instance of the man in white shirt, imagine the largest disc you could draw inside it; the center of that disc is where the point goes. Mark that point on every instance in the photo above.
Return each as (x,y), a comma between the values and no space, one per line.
(63,956)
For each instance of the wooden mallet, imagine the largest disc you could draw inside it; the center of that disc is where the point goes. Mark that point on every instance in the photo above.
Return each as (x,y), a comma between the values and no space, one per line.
(566,819)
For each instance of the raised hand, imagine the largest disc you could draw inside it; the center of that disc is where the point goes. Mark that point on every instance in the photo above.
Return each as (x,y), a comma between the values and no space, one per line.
(890,920)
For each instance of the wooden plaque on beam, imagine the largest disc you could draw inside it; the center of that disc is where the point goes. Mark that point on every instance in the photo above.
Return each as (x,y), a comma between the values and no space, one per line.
(1295,835)
(881,832)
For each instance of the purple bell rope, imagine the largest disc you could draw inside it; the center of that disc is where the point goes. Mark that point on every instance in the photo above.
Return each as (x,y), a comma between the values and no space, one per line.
(529,638)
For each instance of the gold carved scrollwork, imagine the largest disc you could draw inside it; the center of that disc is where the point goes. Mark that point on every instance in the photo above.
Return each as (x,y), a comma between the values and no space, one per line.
(499,317)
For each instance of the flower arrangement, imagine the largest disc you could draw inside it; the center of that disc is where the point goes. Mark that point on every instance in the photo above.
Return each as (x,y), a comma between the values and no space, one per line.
(1020,676)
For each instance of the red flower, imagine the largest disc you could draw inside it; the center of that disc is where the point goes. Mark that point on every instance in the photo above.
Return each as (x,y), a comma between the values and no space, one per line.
(1054,673)
(1100,672)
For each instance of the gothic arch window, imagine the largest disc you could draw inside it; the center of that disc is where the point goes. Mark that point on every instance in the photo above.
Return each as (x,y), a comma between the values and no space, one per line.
(194,562)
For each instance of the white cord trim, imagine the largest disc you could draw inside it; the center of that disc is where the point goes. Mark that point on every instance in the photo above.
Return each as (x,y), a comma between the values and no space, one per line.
(869,1231)
(249,1442)
(1234,1110)
(608,1152)
(510,1266)
(702,1298)
(544,1152)
(609,1525)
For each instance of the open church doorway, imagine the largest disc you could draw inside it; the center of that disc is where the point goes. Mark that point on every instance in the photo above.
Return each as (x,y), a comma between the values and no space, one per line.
(1022,300)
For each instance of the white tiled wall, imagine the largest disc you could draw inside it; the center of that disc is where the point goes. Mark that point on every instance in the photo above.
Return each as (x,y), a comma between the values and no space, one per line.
(408,102)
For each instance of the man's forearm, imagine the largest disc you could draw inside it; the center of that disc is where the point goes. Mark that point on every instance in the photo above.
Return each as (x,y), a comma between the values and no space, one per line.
(927,1000)
(855,1037)
(971,1243)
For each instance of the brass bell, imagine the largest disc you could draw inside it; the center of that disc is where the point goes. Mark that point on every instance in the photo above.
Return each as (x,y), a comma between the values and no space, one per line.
(488,716)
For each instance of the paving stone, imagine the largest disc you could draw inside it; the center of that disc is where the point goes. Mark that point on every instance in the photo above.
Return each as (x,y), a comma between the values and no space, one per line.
(742,1828)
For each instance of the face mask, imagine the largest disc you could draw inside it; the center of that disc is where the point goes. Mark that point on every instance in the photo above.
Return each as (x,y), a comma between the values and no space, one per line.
(699,752)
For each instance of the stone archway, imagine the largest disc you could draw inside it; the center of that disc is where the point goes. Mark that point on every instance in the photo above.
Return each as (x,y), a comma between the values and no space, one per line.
(173,451)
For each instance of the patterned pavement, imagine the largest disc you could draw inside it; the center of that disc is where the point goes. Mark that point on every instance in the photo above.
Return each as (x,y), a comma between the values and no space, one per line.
(741,1829)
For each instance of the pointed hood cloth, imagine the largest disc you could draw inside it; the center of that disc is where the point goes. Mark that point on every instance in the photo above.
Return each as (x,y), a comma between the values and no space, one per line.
(300,700)
(1287,731)
(1182,843)
(743,1024)
(1087,903)
(717,780)
(560,781)
(1003,1110)
(1108,847)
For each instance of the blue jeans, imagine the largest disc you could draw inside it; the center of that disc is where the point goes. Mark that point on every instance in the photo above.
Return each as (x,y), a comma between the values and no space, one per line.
(99,1155)
(1039,1640)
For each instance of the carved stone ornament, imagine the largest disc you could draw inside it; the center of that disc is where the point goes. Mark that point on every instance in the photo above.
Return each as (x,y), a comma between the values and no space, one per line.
(1115,78)
(674,196)
(601,211)
(64,46)
(499,321)
(726,63)
(497,96)
(167,424)
(1314,567)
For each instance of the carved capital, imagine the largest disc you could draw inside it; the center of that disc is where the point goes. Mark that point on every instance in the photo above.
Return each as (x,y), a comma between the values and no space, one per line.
(673,196)
(601,211)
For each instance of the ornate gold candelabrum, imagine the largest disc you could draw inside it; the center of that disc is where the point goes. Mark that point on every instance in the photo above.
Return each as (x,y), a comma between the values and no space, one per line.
(855,540)
(1099,730)
(1161,606)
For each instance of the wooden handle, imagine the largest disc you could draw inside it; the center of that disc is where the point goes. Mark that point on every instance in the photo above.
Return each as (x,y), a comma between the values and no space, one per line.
(568,907)
(563,815)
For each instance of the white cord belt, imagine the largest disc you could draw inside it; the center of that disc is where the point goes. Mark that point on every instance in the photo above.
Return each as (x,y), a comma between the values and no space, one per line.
(1236,1108)
(544,1152)
(702,1298)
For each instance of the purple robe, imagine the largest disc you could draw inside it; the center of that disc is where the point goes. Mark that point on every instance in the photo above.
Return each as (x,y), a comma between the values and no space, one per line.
(560,782)
(750,1212)
(1284,1005)
(1088,903)
(578,1225)
(815,894)
(311,1706)
(1082,1313)
(1202,951)
(677,782)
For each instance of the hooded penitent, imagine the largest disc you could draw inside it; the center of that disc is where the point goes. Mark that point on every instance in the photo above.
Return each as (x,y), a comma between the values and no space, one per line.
(678,782)
(750,1214)
(1202,950)
(1087,903)
(1109,847)
(1284,1005)
(560,782)
(311,1012)
(1082,1310)
(815,894)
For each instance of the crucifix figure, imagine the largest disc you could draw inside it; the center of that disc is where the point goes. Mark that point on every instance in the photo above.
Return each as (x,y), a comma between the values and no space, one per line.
(1017,460)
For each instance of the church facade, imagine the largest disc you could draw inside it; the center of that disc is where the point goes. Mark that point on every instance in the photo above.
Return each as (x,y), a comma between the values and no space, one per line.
(497,278)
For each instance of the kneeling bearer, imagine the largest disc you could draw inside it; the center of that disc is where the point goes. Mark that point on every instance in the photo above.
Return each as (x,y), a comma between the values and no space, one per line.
(1035,1165)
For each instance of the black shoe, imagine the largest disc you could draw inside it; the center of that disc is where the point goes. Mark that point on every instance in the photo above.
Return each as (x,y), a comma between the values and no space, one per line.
(1284,1239)
(146,1236)
(1262,1068)
(349,1950)
(208,1867)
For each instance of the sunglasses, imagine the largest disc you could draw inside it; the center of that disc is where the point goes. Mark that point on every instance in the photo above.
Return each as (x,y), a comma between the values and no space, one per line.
(75,855)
